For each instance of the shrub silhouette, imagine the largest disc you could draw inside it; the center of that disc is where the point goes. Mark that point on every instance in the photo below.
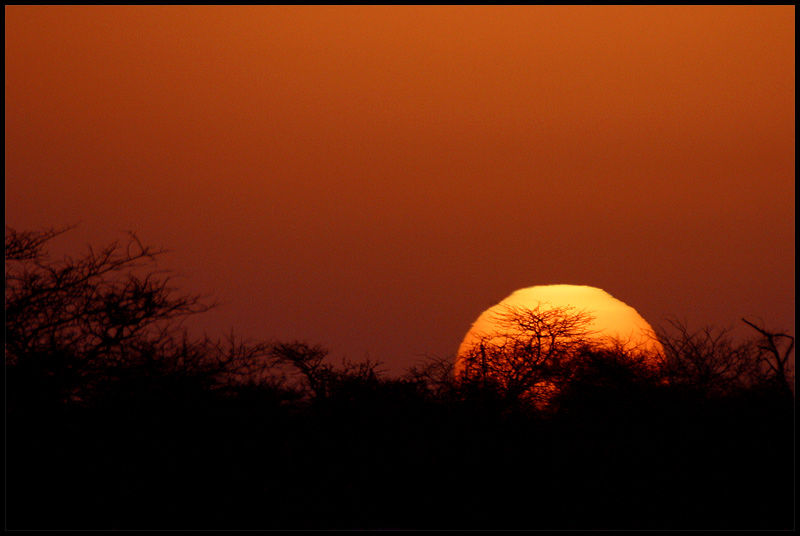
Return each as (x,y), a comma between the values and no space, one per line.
(709,361)
(73,323)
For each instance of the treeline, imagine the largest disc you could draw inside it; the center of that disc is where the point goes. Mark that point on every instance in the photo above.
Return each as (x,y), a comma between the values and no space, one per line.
(117,419)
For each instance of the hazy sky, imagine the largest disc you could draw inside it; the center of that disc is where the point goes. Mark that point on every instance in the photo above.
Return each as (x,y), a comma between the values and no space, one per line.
(373,178)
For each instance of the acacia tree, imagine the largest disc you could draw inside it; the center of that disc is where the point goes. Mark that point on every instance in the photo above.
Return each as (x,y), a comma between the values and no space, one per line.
(707,360)
(318,378)
(72,321)
(433,375)
(774,356)
(527,356)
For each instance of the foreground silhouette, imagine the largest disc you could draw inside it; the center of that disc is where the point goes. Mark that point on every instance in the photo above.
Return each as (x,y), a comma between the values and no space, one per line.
(117,419)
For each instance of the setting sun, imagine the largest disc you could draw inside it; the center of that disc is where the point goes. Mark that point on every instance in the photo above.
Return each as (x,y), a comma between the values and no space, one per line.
(612,320)
(526,345)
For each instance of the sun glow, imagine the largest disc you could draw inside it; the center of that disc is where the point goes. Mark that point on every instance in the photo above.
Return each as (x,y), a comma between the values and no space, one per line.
(516,340)
(612,319)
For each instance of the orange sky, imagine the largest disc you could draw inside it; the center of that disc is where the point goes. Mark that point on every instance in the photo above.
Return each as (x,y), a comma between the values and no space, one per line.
(372,178)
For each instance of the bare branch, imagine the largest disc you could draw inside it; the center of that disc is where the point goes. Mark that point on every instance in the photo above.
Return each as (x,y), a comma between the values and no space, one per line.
(776,350)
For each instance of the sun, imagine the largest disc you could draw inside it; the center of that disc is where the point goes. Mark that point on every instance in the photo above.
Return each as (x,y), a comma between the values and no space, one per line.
(611,322)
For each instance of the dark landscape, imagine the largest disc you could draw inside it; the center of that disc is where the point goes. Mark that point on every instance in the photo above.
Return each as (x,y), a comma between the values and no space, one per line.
(117,419)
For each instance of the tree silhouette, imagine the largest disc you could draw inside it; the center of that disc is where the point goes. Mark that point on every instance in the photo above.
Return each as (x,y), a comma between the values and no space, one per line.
(319,379)
(433,375)
(74,321)
(774,356)
(710,362)
(526,356)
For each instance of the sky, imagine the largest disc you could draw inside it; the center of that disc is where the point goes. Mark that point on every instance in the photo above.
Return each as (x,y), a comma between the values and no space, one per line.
(373,178)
